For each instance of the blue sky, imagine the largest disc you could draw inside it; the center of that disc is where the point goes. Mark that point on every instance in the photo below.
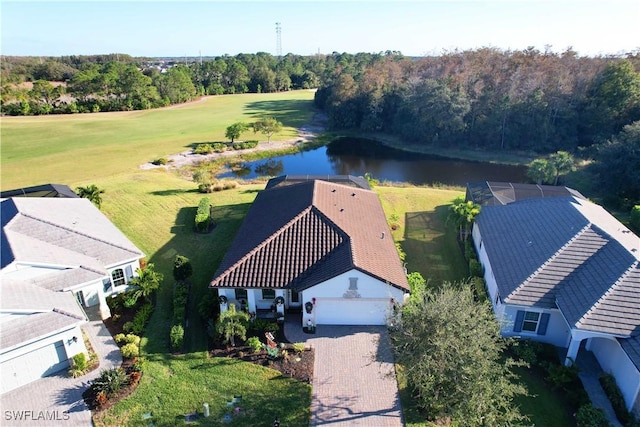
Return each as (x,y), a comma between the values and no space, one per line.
(166,28)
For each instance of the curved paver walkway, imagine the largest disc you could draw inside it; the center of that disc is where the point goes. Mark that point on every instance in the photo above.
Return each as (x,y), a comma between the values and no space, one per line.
(354,381)
(57,400)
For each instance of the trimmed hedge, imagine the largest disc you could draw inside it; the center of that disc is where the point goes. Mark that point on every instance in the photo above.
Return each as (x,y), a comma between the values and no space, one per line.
(180,294)
(203,215)
(611,389)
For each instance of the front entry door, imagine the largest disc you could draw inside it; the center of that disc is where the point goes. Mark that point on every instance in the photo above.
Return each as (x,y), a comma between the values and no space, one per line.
(294,299)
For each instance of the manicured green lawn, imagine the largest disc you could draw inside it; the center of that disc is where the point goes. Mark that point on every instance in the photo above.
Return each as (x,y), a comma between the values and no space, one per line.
(174,386)
(86,147)
(431,246)
(156,209)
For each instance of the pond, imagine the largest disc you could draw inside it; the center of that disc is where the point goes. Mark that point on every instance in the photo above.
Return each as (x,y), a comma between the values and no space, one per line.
(356,156)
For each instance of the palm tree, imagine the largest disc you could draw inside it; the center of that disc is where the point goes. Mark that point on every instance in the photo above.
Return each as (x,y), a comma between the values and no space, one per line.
(232,323)
(92,193)
(147,281)
(462,213)
(563,163)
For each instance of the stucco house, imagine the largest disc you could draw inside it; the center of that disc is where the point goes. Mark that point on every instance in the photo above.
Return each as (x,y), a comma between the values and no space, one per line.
(319,244)
(58,256)
(562,270)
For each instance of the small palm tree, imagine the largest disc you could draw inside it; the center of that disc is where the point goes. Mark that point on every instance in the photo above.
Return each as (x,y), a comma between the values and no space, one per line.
(462,213)
(232,323)
(147,282)
(92,193)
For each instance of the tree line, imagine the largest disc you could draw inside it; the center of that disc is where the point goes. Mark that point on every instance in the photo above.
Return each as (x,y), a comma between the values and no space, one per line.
(117,82)
(488,99)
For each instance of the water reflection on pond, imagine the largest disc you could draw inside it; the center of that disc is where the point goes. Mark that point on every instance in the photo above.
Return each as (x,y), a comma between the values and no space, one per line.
(351,156)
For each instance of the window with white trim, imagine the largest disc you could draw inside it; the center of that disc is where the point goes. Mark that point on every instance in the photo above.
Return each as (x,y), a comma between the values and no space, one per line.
(530,321)
(117,277)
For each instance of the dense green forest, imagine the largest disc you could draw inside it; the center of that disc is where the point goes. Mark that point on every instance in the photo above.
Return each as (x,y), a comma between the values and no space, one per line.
(489,99)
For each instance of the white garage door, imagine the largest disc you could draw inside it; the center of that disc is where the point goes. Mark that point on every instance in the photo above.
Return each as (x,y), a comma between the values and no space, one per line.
(29,367)
(351,311)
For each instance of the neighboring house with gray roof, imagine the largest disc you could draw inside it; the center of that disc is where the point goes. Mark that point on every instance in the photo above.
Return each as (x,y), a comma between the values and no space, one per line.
(487,193)
(58,254)
(564,271)
(323,245)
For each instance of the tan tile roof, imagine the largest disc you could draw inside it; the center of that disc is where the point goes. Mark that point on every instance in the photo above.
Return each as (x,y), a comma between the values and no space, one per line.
(299,235)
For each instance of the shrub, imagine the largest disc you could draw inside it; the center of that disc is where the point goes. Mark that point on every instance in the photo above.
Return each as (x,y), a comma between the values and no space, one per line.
(561,376)
(134,377)
(203,215)
(298,347)
(255,344)
(590,416)
(259,326)
(101,398)
(160,161)
(140,319)
(616,398)
(80,361)
(177,337)
(132,339)
(205,188)
(127,327)
(130,350)
(526,350)
(219,147)
(469,250)
(130,299)
(217,186)
(479,289)
(244,145)
(180,296)
(203,149)
(138,364)
(120,338)
(475,268)
(228,184)
(182,268)
(109,382)
(79,365)
(634,221)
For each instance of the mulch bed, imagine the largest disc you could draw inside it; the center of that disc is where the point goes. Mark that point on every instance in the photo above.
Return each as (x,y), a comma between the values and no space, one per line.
(294,365)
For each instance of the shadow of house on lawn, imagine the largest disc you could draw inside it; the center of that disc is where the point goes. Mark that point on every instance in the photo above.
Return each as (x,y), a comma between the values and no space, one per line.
(436,252)
(205,251)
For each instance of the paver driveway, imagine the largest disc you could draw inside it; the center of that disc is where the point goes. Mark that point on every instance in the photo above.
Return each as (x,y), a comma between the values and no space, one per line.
(57,400)
(354,380)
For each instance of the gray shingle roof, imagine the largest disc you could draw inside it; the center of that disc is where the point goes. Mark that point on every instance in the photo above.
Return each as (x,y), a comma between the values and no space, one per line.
(631,346)
(34,327)
(300,234)
(61,231)
(566,252)
(73,242)
(42,312)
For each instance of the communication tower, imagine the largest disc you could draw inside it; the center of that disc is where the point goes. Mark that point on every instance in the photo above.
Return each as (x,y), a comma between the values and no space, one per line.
(278,40)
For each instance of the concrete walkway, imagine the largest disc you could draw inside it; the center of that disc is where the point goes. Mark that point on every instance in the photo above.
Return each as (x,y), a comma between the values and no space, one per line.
(590,371)
(354,381)
(57,400)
